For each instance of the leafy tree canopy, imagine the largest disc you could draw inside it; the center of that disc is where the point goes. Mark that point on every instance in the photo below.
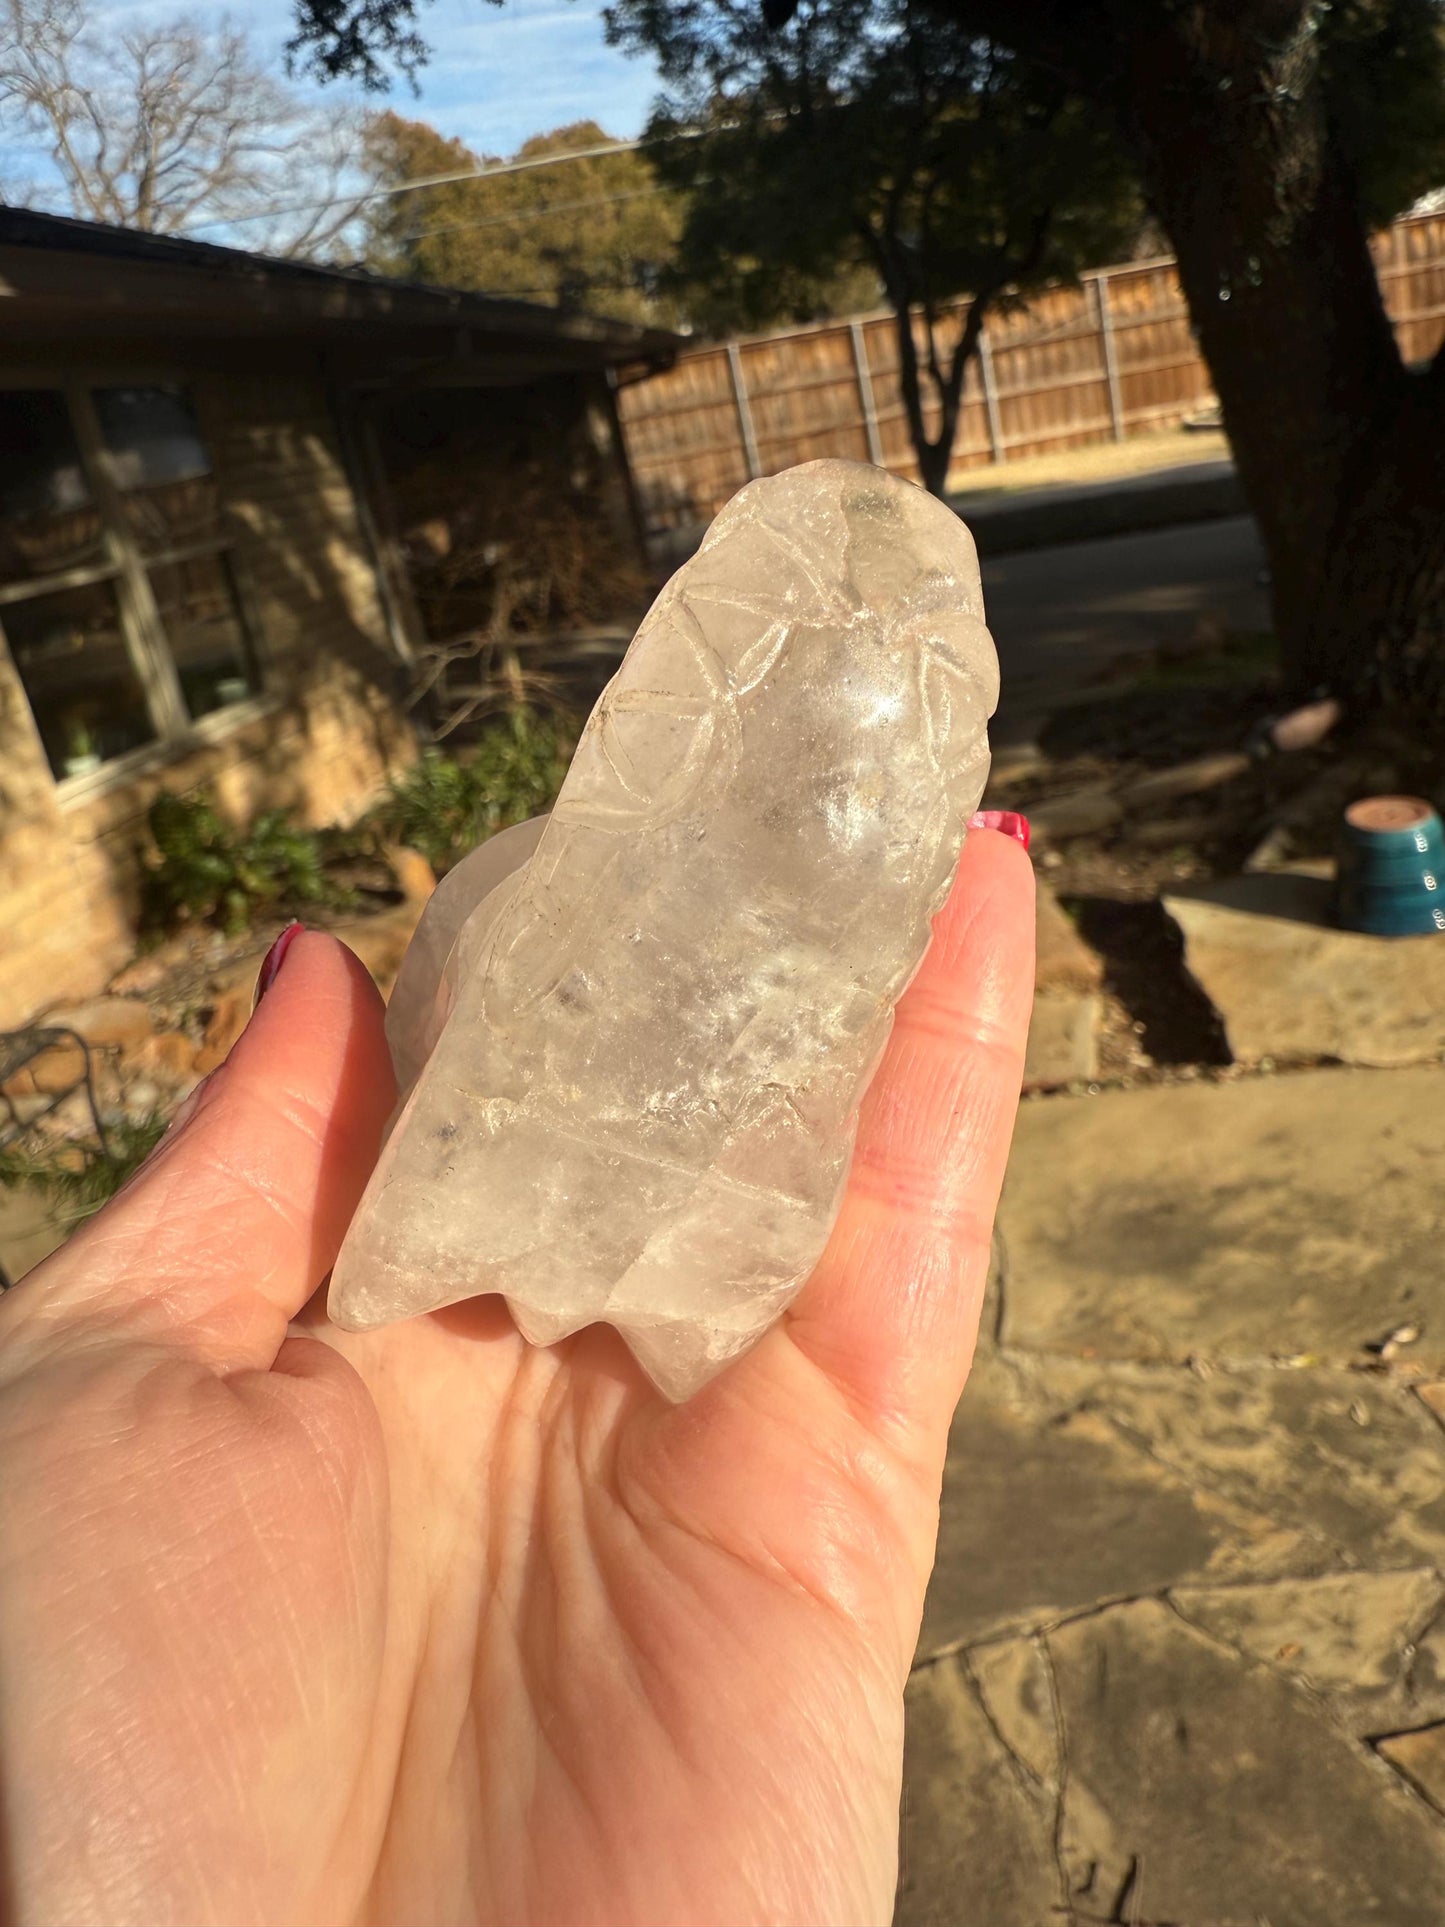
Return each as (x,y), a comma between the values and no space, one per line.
(1382,68)
(1382,64)
(597,233)
(603,232)
(867,138)
(1269,136)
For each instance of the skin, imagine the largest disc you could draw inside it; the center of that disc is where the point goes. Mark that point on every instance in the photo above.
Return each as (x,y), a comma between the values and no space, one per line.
(425,1626)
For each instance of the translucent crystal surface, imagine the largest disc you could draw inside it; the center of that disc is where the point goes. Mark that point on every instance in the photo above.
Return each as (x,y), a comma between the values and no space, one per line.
(649,1041)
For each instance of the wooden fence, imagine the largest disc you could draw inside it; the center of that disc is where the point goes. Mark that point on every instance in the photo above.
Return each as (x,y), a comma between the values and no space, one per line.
(1108,359)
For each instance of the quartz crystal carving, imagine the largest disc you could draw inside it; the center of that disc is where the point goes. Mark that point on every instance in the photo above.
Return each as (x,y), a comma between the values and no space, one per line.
(631,1064)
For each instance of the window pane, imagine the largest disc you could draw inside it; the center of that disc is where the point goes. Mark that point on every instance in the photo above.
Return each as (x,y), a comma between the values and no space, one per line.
(160,464)
(83,690)
(47,520)
(198,610)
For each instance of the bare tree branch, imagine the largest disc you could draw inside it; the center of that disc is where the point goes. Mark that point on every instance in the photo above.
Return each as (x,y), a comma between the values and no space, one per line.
(167,126)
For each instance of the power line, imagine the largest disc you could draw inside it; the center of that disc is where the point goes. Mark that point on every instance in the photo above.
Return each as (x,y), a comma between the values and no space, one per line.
(447,180)
(534,213)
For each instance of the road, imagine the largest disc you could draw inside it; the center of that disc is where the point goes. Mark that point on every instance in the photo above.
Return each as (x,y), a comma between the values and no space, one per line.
(1060,616)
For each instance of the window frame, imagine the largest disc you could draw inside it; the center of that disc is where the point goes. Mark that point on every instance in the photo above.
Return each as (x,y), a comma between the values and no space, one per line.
(127,565)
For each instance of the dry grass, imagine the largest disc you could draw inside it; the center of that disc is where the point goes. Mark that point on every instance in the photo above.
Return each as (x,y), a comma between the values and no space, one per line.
(1101,462)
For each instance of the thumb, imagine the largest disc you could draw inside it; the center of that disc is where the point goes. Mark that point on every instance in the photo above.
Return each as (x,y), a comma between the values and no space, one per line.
(236,1218)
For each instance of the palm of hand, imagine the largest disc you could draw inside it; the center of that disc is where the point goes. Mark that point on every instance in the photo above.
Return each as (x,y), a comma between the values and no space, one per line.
(422,1625)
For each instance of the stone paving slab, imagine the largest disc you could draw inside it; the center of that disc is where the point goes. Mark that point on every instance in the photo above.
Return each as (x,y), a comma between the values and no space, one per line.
(1345,1630)
(1291,987)
(1062,960)
(1230,1797)
(1183,1658)
(1069,1485)
(1259,1218)
(1349,1464)
(1063,1046)
(1420,1756)
(1128,1765)
(1045,1515)
(976,1843)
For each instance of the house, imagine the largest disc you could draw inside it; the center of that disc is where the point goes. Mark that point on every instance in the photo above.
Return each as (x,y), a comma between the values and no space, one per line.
(200,576)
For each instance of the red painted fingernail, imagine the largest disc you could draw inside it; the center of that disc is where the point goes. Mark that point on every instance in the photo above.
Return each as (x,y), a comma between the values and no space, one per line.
(271,963)
(1006,822)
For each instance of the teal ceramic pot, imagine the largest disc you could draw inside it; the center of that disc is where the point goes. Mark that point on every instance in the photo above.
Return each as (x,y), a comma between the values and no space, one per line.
(1392,867)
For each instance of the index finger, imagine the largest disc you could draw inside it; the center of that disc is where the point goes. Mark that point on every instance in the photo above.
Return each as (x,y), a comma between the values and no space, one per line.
(891,1313)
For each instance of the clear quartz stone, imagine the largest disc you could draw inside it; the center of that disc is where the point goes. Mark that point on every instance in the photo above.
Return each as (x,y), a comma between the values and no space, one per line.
(632,1037)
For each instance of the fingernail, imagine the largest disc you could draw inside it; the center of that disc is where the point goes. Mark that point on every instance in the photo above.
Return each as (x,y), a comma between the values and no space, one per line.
(274,958)
(1006,822)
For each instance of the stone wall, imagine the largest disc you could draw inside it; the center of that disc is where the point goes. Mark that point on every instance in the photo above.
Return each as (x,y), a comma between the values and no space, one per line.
(321,739)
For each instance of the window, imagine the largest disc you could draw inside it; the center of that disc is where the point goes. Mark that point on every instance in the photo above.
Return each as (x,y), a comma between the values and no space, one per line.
(117,586)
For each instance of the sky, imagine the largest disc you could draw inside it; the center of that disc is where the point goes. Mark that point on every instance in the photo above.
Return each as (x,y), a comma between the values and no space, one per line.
(497,75)
(501,73)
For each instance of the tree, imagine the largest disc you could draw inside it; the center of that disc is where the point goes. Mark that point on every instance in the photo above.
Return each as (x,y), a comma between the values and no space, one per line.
(167,127)
(867,136)
(601,231)
(1270,136)
(596,233)
(357,40)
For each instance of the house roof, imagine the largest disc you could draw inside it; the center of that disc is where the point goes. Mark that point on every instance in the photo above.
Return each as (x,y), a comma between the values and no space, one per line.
(85,279)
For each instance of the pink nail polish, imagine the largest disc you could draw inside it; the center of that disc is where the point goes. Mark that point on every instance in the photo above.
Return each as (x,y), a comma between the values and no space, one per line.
(271,963)
(1006,822)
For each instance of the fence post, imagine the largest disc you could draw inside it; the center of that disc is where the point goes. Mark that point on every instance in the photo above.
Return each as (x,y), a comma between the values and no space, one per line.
(865,393)
(1111,360)
(997,451)
(745,413)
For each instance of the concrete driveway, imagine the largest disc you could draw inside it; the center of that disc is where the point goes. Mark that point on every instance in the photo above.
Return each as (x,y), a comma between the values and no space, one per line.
(1061,615)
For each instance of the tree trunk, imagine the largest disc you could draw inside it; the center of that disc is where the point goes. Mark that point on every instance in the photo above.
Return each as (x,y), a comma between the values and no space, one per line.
(932,456)
(935,455)
(1378,630)
(1229,128)
(1340,448)
(934,461)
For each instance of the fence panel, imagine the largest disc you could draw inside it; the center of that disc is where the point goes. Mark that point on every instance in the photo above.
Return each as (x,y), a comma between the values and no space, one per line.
(803,393)
(1162,376)
(684,439)
(1110,358)
(1052,382)
(1411,267)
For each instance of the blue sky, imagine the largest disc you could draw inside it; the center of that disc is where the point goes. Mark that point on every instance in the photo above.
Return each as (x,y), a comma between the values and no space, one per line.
(497,75)
(500,74)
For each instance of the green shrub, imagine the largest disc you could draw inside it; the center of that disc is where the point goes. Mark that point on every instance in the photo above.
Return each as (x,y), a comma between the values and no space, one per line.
(204,871)
(76,1179)
(445,805)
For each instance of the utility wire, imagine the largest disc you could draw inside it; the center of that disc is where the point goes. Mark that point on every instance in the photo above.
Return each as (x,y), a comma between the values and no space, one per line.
(533,213)
(446,180)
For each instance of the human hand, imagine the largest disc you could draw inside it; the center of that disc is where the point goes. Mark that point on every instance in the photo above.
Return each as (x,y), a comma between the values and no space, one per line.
(423,1625)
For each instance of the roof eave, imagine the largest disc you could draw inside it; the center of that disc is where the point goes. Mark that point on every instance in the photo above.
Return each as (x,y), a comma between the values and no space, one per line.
(91,290)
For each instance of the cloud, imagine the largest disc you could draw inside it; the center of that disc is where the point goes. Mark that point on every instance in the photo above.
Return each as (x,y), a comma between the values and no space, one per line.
(499,74)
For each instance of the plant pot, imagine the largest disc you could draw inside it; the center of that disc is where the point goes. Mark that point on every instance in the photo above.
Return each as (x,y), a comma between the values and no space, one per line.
(1392,868)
